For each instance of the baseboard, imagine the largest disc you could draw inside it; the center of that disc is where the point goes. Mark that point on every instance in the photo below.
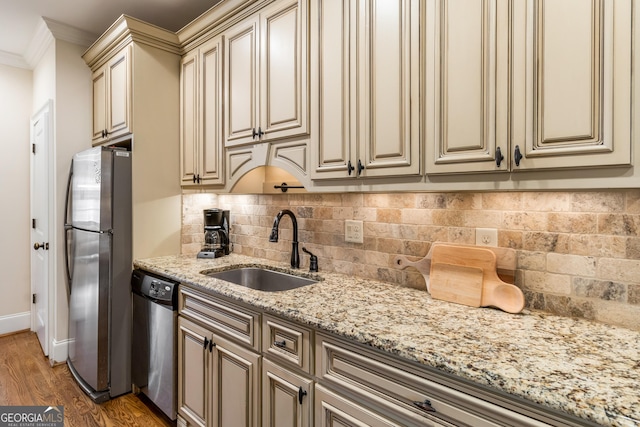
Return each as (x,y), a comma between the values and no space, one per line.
(59,350)
(15,322)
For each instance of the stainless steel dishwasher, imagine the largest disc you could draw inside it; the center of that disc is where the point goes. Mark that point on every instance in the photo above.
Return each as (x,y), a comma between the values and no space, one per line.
(154,345)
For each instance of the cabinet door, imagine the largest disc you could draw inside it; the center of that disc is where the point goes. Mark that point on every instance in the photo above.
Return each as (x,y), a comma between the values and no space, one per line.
(236,385)
(572,82)
(118,94)
(283,70)
(388,77)
(241,77)
(333,87)
(99,104)
(286,397)
(193,372)
(210,166)
(466,95)
(189,118)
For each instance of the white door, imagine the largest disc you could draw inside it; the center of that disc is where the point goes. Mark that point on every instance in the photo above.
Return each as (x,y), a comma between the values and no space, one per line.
(40,196)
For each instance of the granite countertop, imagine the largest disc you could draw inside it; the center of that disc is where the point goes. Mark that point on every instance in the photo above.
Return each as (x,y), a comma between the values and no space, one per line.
(583,368)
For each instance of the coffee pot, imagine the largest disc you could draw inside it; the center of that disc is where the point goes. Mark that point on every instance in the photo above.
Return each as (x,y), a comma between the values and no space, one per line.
(216,234)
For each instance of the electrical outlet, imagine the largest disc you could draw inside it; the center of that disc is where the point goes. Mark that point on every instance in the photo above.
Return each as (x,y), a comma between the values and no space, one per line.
(486,236)
(353,231)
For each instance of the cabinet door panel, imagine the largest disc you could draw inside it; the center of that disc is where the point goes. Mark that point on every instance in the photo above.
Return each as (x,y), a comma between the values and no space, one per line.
(469,96)
(188,118)
(333,89)
(241,62)
(280,399)
(236,374)
(388,139)
(99,104)
(118,113)
(193,372)
(284,86)
(572,83)
(211,140)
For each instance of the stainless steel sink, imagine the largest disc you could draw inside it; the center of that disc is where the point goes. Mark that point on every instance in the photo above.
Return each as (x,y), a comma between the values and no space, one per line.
(261,279)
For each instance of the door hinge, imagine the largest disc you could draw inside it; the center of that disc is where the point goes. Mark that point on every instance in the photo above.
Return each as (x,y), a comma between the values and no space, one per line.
(33,148)
(33,223)
(33,298)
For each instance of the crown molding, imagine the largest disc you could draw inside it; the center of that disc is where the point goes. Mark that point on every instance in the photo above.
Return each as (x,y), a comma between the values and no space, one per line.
(13,60)
(49,30)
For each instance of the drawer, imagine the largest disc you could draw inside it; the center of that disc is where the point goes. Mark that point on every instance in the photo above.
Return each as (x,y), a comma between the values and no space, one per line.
(224,317)
(374,377)
(287,342)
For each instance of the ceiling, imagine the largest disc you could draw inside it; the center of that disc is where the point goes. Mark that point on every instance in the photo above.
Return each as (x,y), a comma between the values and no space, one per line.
(19,19)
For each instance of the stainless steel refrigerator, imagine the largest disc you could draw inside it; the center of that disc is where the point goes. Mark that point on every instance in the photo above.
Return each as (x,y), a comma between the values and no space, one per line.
(99,264)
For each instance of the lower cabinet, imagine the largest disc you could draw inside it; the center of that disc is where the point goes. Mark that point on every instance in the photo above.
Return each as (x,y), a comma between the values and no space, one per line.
(287,397)
(240,367)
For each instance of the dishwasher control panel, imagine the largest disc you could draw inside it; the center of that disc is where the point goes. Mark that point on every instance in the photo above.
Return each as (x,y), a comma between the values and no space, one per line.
(158,289)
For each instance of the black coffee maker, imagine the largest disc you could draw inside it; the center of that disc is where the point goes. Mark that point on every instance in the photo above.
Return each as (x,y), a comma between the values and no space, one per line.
(216,234)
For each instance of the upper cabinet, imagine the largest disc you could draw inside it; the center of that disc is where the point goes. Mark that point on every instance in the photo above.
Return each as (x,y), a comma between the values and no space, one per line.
(466,95)
(112,97)
(266,85)
(527,85)
(571,89)
(365,79)
(201,136)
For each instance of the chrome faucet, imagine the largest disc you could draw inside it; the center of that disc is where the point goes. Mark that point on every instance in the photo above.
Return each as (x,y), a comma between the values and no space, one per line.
(273,237)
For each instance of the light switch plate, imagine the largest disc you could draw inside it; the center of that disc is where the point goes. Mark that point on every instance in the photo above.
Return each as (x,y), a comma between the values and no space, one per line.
(353,231)
(487,236)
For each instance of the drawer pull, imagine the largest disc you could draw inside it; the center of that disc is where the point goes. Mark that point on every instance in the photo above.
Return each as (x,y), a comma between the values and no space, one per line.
(301,393)
(425,406)
(206,343)
(280,344)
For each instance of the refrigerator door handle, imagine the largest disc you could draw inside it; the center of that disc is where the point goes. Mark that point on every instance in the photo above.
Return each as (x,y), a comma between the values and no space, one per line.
(67,229)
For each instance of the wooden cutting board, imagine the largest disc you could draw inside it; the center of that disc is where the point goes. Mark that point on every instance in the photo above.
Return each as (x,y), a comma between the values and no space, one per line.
(454,277)
(505,262)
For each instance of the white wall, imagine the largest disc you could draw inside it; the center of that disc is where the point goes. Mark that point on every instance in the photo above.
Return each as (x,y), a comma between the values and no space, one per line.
(15,113)
(73,118)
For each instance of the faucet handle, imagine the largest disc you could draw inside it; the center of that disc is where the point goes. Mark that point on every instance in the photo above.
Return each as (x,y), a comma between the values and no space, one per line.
(313,262)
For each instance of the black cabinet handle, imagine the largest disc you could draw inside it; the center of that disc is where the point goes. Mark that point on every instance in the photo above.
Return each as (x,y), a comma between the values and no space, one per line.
(360,167)
(517,155)
(211,345)
(194,178)
(499,157)
(259,133)
(206,343)
(425,406)
(350,168)
(301,393)
(280,344)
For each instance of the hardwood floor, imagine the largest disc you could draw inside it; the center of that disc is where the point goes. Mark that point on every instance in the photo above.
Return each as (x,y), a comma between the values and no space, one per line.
(26,378)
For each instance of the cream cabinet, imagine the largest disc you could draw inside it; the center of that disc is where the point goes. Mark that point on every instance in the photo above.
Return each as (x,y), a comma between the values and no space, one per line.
(266,84)
(201,135)
(287,397)
(466,95)
(394,393)
(194,372)
(365,79)
(112,97)
(136,69)
(527,85)
(571,89)
(218,365)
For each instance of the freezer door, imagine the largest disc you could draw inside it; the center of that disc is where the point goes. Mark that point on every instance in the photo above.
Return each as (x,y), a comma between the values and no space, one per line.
(91,189)
(89,308)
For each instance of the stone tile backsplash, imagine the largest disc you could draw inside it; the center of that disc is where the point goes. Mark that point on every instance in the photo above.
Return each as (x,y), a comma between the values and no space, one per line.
(578,252)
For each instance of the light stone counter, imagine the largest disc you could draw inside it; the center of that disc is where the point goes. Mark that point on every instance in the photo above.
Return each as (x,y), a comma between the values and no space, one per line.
(586,369)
